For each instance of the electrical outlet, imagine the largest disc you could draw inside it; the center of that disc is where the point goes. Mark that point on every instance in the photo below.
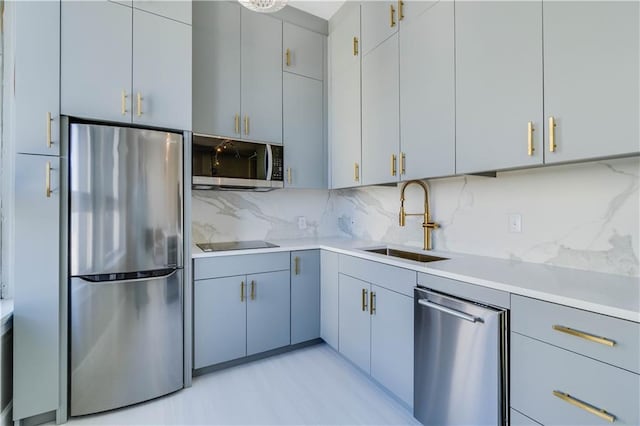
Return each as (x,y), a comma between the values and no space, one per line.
(302,223)
(515,223)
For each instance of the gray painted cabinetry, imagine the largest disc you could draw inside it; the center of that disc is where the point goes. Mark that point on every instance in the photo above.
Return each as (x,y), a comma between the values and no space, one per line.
(379,22)
(329,297)
(303,51)
(305,295)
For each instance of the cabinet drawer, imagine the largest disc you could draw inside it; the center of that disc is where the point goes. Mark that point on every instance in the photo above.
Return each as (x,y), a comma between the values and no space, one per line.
(538,369)
(465,290)
(226,266)
(391,277)
(537,319)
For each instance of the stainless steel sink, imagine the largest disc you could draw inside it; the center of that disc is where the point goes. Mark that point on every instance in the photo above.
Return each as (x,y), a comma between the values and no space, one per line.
(418,257)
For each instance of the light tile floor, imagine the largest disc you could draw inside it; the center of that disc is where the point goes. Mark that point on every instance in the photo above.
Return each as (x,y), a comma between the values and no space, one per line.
(314,385)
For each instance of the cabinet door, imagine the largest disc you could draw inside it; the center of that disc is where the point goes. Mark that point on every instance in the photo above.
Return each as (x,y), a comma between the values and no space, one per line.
(268,311)
(329,298)
(219,320)
(591,83)
(177,10)
(305,51)
(354,324)
(161,98)
(216,68)
(96,60)
(36,318)
(261,77)
(380,114)
(413,9)
(344,98)
(498,84)
(304,155)
(36,77)
(427,92)
(305,295)
(392,342)
(379,22)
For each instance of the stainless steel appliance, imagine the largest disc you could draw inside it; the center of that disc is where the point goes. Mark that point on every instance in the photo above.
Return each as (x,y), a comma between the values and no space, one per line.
(234,245)
(230,164)
(126,258)
(460,361)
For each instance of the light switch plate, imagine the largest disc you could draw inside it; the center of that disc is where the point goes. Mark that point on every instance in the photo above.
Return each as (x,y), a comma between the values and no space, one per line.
(515,223)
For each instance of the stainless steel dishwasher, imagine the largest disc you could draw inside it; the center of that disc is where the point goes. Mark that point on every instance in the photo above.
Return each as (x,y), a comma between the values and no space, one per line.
(461,375)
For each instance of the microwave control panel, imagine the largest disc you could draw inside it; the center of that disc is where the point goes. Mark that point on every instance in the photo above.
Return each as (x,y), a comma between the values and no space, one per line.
(278,166)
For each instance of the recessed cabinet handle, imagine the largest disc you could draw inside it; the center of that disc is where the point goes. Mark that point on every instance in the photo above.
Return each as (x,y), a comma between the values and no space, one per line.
(530,130)
(139,113)
(47,179)
(583,335)
(552,134)
(48,129)
(364,300)
(123,102)
(585,406)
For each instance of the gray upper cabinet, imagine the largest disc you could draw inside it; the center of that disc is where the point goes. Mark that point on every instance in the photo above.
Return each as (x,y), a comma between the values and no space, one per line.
(303,125)
(498,85)
(591,79)
(380,113)
(36,77)
(303,51)
(427,91)
(344,97)
(305,295)
(413,9)
(216,82)
(261,77)
(96,60)
(177,10)
(161,98)
(379,22)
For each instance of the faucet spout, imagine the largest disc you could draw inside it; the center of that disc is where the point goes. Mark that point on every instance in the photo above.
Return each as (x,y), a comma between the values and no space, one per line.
(427,225)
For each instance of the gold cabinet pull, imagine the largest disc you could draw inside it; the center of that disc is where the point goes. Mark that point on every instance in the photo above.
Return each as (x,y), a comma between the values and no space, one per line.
(372,303)
(392,20)
(47,179)
(139,113)
(48,129)
(236,123)
(289,175)
(364,300)
(583,335)
(288,57)
(393,165)
(356,172)
(585,406)
(242,291)
(296,261)
(530,130)
(246,124)
(552,134)
(253,290)
(400,10)
(355,46)
(123,102)
(403,161)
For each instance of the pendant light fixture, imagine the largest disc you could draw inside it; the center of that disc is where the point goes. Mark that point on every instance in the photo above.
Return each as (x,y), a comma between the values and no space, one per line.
(264,6)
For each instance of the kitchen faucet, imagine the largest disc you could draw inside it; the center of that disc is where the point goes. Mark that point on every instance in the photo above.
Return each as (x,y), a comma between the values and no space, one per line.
(427,225)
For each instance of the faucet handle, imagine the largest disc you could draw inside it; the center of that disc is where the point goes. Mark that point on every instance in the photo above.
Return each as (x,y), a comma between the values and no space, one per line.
(431,225)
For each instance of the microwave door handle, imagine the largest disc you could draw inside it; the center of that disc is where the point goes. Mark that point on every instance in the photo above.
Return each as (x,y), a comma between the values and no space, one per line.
(269,160)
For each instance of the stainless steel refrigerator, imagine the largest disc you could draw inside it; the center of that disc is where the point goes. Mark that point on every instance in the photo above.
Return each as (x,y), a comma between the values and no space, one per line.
(126,259)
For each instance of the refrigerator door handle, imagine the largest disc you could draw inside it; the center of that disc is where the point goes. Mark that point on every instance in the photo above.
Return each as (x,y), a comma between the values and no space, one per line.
(128,276)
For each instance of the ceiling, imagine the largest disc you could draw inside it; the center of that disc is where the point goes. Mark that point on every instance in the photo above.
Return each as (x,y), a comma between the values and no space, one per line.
(321,8)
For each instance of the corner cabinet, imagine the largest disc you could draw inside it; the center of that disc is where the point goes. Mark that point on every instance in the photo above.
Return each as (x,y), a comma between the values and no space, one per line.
(110,57)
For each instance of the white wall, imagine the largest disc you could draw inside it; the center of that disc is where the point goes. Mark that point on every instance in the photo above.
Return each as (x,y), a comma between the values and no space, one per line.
(582,216)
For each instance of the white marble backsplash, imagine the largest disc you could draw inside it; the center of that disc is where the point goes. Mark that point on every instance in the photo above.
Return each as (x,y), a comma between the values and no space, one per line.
(584,216)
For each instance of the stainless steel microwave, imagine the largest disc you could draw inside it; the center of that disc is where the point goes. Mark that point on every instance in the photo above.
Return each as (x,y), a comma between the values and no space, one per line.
(220,163)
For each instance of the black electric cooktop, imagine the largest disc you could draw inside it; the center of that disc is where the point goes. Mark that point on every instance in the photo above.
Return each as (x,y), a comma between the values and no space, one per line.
(234,245)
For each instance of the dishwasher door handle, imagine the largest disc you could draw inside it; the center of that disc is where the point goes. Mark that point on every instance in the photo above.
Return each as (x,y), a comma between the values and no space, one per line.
(461,315)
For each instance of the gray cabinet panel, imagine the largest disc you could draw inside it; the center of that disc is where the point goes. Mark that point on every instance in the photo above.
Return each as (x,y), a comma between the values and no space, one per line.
(268,311)
(591,78)
(414,9)
(36,317)
(96,60)
(344,99)
(427,91)
(216,68)
(178,10)
(354,323)
(304,158)
(261,77)
(376,23)
(380,113)
(36,76)
(465,290)
(220,320)
(305,295)
(226,266)
(396,279)
(306,48)
(161,71)
(329,298)
(498,84)
(392,342)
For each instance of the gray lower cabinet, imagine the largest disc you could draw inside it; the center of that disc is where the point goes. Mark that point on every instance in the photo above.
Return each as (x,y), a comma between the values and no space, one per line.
(36,317)
(303,51)
(355,326)
(591,79)
(303,125)
(498,85)
(305,295)
(329,327)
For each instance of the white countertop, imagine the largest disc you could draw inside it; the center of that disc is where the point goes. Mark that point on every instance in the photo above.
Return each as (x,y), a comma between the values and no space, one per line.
(608,294)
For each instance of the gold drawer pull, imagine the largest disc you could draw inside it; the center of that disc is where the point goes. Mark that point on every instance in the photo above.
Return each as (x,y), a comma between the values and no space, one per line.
(393,165)
(47,180)
(356,172)
(297,265)
(289,175)
(139,113)
(48,130)
(586,407)
(123,102)
(583,335)
(552,134)
(392,21)
(288,57)
(364,300)
(253,290)
(355,46)
(236,123)
(400,10)
(372,303)
(242,291)
(403,160)
(246,124)
(530,130)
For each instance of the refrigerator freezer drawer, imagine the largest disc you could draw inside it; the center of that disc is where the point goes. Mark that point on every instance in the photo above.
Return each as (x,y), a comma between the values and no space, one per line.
(126,341)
